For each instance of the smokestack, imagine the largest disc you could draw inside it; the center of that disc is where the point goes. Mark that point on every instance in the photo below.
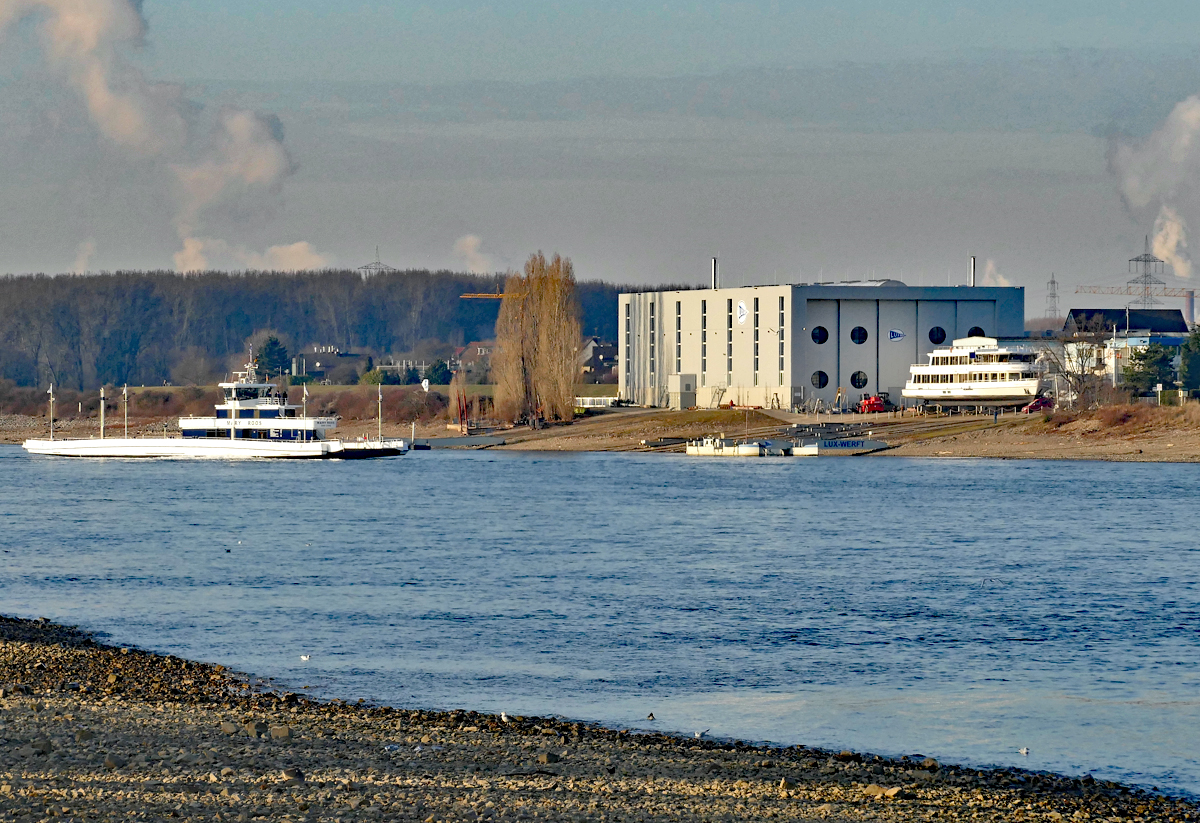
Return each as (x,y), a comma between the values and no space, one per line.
(972,271)
(715,283)
(1189,307)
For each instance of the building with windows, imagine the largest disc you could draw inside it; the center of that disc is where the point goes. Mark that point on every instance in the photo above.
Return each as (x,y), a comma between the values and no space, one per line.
(791,346)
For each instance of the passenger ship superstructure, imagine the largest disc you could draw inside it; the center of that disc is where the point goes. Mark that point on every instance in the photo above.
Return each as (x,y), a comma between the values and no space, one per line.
(255,420)
(976,371)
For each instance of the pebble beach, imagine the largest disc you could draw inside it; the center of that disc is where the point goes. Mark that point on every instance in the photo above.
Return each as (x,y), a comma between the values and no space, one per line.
(92,731)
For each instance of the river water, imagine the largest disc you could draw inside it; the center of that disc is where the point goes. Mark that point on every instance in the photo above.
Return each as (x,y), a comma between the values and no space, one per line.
(956,608)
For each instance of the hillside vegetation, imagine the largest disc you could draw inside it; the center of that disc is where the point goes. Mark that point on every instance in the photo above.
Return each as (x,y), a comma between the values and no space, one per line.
(144,328)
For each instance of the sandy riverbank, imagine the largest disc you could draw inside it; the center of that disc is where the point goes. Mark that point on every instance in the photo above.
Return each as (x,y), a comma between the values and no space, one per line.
(95,732)
(1130,433)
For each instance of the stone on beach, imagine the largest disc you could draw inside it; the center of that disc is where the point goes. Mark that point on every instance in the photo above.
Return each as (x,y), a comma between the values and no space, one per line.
(172,720)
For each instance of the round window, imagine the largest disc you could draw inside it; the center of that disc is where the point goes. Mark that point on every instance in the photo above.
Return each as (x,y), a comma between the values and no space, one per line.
(820,379)
(858,379)
(859,335)
(975,331)
(937,335)
(820,335)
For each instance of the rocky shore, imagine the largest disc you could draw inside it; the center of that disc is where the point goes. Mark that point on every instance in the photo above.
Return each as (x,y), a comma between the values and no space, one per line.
(89,731)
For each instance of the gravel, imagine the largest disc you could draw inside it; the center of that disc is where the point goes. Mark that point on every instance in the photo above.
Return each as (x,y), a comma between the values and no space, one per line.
(167,738)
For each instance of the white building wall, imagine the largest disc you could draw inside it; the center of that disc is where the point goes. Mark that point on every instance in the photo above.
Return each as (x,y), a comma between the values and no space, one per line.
(884,359)
(858,316)
(897,343)
(821,358)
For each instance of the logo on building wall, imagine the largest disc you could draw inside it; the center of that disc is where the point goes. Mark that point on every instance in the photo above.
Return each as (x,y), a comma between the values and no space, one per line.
(895,334)
(742,312)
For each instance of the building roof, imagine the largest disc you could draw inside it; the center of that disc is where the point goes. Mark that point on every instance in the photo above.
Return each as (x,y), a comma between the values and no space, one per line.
(1155,321)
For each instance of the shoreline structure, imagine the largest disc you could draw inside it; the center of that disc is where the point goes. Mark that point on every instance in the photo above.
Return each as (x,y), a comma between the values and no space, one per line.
(1115,433)
(99,732)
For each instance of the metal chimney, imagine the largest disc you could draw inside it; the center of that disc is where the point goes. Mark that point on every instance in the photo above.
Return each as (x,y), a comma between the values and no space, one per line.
(715,282)
(1189,307)
(972,271)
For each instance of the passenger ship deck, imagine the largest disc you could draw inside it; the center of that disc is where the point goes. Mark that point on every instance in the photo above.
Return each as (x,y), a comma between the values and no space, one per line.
(254,421)
(976,371)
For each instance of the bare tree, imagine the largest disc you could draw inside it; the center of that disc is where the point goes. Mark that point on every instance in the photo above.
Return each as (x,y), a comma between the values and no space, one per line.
(1077,359)
(537,336)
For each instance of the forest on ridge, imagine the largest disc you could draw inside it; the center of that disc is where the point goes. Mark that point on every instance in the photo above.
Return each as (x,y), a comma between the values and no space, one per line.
(147,327)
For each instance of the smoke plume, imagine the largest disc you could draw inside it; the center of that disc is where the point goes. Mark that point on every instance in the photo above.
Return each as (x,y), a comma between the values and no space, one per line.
(1160,174)
(466,249)
(992,275)
(203,253)
(1170,241)
(83,256)
(242,157)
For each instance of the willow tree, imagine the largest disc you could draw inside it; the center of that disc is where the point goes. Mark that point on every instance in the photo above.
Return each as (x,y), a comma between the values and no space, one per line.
(537,340)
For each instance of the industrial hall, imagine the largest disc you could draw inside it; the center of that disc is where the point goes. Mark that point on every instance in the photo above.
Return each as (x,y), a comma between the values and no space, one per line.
(806,345)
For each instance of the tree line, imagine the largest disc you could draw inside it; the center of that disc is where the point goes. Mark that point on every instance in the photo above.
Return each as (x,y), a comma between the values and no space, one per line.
(141,327)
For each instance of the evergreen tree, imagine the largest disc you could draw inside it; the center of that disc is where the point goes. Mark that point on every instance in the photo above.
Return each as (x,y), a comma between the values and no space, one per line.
(439,373)
(1189,361)
(274,357)
(1151,366)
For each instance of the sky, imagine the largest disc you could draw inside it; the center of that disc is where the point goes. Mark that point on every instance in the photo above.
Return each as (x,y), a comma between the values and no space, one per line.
(798,141)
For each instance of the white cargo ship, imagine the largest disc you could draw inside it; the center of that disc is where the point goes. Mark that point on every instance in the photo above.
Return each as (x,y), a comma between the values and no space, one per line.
(254,421)
(976,371)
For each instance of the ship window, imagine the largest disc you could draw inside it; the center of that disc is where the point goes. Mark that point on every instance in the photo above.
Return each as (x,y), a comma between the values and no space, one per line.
(268,413)
(222,413)
(245,413)
(975,331)
(820,334)
(858,379)
(937,335)
(859,335)
(820,379)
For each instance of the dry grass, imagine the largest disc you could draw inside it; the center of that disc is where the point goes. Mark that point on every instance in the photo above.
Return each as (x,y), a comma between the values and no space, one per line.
(1128,419)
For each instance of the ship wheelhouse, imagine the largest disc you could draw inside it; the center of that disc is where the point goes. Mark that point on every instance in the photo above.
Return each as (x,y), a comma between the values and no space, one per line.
(256,410)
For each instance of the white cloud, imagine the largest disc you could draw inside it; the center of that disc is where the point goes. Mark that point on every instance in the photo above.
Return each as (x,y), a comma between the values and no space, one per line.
(466,249)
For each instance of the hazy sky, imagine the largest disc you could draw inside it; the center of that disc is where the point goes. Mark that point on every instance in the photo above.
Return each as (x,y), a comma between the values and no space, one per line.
(797,140)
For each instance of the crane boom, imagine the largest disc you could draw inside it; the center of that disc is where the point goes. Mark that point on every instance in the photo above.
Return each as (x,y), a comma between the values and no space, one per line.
(481,296)
(1162,291)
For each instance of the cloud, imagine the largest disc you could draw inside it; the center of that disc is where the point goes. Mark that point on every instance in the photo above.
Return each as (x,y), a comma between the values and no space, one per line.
(203,253)
(1161,173)
(992,276)
(246,153)
(299,256)
(466,249)
(243,154)
(83,255)
(81,39)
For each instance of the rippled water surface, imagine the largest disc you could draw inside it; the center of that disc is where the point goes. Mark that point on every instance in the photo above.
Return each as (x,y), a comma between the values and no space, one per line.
(955,608)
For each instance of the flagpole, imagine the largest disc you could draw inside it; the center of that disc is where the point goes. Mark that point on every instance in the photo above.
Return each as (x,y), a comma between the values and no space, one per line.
(51,393)
(380,412)
(125,397)
(101,412)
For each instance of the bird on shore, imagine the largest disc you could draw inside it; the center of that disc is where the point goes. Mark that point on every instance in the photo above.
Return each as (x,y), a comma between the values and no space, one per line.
(503,717)
(650,716)
(1023,750)
(701,734)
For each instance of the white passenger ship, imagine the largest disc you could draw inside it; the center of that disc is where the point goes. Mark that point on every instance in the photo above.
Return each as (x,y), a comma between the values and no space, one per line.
(256,420)
(975,371)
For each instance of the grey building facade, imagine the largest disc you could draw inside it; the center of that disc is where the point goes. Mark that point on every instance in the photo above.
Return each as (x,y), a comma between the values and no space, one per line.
(788,346)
